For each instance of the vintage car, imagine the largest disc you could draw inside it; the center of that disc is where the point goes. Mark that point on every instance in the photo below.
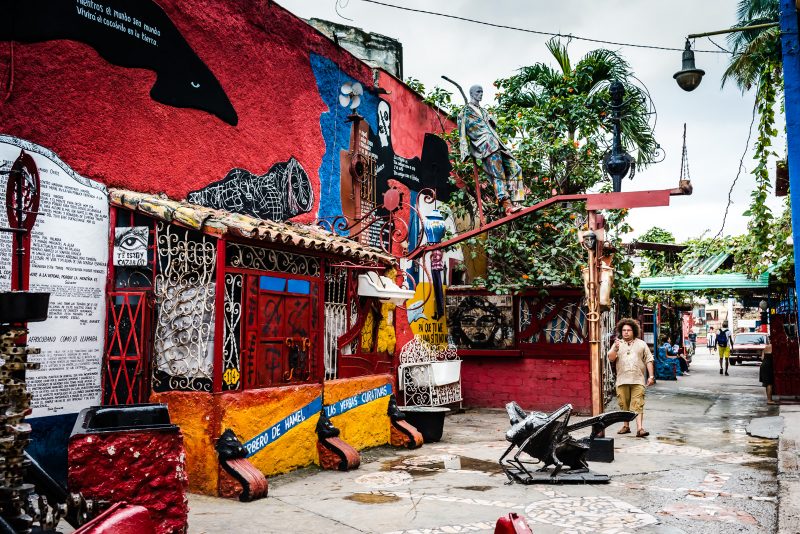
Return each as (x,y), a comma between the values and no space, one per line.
(749,347)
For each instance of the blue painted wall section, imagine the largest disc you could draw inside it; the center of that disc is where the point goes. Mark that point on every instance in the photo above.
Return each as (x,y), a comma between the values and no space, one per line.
(336,130)
(48,446)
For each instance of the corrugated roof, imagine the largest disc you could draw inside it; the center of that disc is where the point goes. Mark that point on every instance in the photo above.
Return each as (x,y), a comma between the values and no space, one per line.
(705,265)
(222,223)
(695,282)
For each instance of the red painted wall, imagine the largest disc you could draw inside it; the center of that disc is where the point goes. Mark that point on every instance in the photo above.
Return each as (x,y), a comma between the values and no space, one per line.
(100,119)
(535,384)
(144,467)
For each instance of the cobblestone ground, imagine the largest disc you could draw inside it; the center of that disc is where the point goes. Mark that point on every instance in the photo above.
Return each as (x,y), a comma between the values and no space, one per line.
(698,471)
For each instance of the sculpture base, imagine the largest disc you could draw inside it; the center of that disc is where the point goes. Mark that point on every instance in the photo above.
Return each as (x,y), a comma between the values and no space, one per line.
(403,434)
(335,454)
(581,476)
(601,450)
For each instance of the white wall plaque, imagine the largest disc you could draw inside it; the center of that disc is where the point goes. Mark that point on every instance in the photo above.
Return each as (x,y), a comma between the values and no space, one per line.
(69,259)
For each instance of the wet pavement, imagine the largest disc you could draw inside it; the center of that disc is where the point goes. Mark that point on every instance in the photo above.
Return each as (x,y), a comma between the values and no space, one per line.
(699,471)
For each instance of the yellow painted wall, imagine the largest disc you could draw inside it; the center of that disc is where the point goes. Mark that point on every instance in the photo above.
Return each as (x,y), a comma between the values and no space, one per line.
(202,417)
(364,426)
(421,319)
(248,413)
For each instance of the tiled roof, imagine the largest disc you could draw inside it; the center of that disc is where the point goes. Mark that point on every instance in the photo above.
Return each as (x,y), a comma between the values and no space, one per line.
(223,223)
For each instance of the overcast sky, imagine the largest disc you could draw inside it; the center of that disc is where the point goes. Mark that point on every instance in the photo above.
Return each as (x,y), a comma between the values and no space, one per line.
(717,119)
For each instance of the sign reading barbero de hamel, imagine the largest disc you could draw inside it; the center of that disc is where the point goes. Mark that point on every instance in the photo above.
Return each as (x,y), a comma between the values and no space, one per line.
(69,258)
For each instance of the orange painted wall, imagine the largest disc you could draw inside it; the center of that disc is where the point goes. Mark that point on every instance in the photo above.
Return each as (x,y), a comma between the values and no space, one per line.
(202,417)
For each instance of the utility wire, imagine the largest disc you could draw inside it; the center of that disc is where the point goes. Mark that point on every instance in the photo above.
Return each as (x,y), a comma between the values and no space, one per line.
(537,32)
(741,166)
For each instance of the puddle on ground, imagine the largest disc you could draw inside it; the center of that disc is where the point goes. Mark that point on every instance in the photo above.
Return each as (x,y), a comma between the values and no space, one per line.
(474,488)
(430,465)
(372,498)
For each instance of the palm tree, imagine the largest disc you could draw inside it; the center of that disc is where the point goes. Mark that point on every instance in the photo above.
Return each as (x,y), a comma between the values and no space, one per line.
(571,102)
(756,53)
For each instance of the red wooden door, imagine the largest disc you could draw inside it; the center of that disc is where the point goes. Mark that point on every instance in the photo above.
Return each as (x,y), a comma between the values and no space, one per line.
(279,338)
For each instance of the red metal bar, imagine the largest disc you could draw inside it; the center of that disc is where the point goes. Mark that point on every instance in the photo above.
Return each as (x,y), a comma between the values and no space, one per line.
(318,333)
(633,199)
(594,201)
(219,316)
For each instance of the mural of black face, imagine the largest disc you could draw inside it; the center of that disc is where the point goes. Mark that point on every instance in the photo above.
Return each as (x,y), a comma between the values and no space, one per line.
(280,194)
(128,33)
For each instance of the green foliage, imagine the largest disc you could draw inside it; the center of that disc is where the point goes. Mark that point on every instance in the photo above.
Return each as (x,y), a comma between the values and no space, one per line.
(757,62)
(556,124)
(656,262)
(559,117)
(754,51)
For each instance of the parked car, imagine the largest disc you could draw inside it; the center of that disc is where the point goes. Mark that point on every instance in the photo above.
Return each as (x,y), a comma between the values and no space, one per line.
(749,347)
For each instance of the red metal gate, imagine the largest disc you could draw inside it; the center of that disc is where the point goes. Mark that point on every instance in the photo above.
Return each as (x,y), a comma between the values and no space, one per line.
(126,370)
(785,361)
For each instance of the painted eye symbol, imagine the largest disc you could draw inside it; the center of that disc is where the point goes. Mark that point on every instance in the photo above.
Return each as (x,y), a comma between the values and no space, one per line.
(132,241)
(195,85)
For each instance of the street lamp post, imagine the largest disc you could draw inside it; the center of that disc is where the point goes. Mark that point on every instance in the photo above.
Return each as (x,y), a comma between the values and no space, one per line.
(617,163)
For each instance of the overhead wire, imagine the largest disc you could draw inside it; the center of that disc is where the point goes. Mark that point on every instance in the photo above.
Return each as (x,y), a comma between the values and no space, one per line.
(739,172)
(537,32)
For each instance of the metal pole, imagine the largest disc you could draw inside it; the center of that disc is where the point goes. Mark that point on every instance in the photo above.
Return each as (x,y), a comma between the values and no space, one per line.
(791,91)
(593,317)
(732,30)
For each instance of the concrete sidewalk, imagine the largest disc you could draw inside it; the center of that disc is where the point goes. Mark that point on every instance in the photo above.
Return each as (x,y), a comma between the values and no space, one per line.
(788,471)
(698,471)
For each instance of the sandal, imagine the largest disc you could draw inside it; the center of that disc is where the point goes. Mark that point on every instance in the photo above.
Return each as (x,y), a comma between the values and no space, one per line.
(624,430)
(642,433)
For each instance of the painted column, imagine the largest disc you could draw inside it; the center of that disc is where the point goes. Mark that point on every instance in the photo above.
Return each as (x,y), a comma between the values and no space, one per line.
(791,90)
(593,317)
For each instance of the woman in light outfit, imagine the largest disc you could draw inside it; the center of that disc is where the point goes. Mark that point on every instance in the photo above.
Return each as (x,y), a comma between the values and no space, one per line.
(633,357)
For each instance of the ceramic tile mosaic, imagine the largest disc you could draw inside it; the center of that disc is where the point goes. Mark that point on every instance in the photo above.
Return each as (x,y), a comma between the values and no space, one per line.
(707,512)
(602,514)
(481,526)
(385,479)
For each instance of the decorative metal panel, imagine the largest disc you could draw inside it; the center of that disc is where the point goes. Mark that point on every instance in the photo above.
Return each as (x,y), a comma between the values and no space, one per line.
(552,320)
(335,316)
(608,320)
(185,310)
(231,370)
(265,259)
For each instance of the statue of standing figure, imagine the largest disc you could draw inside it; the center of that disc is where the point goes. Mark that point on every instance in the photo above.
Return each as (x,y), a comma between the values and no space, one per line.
(479,139)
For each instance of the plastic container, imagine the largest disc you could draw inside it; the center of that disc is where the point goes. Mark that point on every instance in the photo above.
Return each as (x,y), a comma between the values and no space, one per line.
(428,420)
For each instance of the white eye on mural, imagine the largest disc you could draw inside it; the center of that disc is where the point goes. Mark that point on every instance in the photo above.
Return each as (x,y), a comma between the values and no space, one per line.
(350,95)
(195,85)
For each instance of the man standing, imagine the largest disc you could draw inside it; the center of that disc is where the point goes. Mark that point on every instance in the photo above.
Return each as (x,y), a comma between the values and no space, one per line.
(724,347)
(633,358)
(711,340)
(479,139)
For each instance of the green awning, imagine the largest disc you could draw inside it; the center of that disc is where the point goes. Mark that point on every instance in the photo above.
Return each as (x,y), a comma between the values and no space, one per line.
(695,282)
